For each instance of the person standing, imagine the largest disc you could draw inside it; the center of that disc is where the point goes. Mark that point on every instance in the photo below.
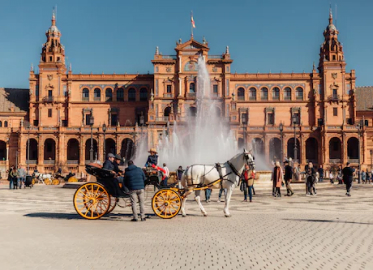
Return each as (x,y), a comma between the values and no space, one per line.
(320,170)
(248,182)
(363,177)
(368,176)
(288,176)
(331,177)
(221,190)
(11,177)
(21,176)
(134,180)
(180,172)
(277,179)
(166,175)
(348,174)
(208,192)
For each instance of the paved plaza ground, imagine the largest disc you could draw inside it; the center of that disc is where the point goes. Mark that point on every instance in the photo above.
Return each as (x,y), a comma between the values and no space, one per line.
(40,230)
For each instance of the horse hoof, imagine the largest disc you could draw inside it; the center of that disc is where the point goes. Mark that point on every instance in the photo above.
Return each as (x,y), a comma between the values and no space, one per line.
(227,215)
(204,214)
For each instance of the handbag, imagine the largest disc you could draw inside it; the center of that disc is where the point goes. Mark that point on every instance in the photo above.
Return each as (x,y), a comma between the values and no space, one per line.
(250,182)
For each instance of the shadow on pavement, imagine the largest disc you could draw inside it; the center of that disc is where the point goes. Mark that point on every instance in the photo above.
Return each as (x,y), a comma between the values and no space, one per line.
(329,221)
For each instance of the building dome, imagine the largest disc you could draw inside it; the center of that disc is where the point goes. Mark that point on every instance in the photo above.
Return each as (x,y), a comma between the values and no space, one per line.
(331,27)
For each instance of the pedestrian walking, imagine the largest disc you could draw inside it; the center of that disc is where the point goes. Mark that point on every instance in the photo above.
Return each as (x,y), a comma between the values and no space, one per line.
(363,177)
(221,190)
(348,174)
(320,170)
(331,177)
(310,179)
(21,176)
(288,176)
(135,181)
(247,183)
(368,176)
(277,179)
(12,177)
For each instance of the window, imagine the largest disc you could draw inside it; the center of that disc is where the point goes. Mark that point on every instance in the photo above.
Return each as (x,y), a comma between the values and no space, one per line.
(168,89)
(270,118)
(5,123)
(50,93)
(335,93)
(244,118)
(144,94)
(296,116)
(97,94)
(50,58)
(287,93)
(335,145)
(120,94)
(333,57)
(49,112)
(335,111)
(215,90)
(241,93)
(299,93)
(366,123)
(37,90)
(109,94)
(252,93)
(85,94)
(58,59)
(192,88)
(64,123)
(1,124)
(87,118)
(264,93)
(276,93)
(349,121)
(36,123)
(131,94)
(114,119)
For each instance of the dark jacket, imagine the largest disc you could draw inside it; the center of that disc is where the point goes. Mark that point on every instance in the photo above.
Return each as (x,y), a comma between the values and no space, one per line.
(179,174)
(152,159)
(348,173)
(108,165)
(134,178)
(288,172)
(321,172)
(116,168)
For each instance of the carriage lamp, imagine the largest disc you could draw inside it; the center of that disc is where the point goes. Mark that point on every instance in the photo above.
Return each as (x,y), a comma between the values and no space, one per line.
(104,130)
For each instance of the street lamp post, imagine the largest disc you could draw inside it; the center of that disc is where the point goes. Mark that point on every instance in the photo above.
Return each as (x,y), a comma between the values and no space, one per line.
(371,160)
(359,127)
(244,128)
(281,127)
(295,138)
(104,130)
(91,122)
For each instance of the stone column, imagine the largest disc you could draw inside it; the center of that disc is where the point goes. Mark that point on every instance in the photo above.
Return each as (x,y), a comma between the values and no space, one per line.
(302,150)
(344,148)
(118,144)
(41,154)
(101,148)
(81,151)
(266,148)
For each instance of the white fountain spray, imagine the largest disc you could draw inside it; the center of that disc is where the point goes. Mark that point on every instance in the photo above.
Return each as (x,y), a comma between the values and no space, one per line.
(205,138)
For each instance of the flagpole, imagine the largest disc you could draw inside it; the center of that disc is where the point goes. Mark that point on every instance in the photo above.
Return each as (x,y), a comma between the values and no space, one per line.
(191,24)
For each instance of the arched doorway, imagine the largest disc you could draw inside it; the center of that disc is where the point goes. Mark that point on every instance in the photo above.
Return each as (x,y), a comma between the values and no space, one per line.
(312,150)
(3,153)
(73,151)
(166,113)
(335,150)
(353,150)
(88,148)
(290,149)
(275,149)
(110,147)
(258,146)
(49,151)
(33,152)
(128,149)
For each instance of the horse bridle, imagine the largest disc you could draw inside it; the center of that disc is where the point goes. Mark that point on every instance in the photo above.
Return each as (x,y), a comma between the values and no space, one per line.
(234,169)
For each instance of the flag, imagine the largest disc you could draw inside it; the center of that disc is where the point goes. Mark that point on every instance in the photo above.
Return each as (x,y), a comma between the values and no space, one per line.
(192,21)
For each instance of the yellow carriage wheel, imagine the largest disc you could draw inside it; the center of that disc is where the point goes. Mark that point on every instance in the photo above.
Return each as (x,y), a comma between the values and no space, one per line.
(113,203)
(55,182)
(91,201)
(47,181)
(72,179)
(166,203)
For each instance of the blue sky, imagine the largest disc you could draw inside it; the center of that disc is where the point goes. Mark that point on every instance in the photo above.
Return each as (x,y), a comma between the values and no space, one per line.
(121,35)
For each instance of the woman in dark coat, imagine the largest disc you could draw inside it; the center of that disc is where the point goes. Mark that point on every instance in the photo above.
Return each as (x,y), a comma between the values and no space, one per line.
(277,179)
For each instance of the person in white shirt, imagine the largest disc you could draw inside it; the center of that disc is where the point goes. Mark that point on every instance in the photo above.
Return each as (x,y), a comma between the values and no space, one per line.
(166,174)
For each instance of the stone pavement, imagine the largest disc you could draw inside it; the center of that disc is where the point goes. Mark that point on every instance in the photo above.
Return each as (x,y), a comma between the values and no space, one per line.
(39,229)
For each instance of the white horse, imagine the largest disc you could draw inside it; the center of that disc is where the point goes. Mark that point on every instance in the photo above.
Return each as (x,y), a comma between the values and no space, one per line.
(202,175)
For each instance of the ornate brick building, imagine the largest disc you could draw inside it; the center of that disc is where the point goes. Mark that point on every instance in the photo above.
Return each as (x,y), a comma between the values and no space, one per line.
(266,111)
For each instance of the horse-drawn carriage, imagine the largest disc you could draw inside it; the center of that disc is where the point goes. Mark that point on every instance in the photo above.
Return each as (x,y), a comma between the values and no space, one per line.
(95,199)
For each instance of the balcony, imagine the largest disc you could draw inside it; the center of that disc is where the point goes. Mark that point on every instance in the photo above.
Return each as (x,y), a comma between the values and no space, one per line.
(49,162)
(48,99)
(334,98)
(31,161)
(162,119)
(97,98)
(353,160)
(335,160)
(73,162)
(85,98)
(167,95)
(191,95)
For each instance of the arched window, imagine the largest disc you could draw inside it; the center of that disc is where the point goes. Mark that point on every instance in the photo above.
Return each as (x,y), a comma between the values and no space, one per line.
(85,94)
(252,93)
(1,124)
(276,93)
(131,94)
(299,93)
(264,93)
(241,93)
(120,94)
(97,94)
(143,94)
(5,123)
(192,88)
(108,94)
(287,93)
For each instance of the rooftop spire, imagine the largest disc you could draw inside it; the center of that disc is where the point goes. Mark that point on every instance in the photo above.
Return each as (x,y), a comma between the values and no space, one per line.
(330,15)
(54,17)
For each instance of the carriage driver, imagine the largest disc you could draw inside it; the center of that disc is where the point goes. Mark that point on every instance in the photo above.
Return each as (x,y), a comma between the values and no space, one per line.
(152,158)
